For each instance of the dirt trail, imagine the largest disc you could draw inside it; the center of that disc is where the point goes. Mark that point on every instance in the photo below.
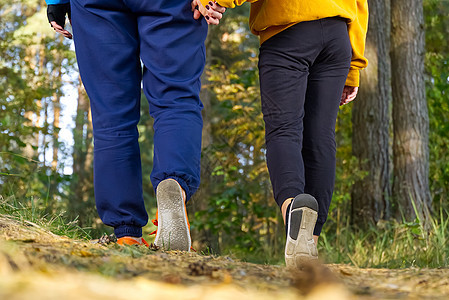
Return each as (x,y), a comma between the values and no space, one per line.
(36,264)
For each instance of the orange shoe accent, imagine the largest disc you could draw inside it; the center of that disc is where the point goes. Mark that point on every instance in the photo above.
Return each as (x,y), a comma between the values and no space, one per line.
(154,221)
(145,243)
(126,240)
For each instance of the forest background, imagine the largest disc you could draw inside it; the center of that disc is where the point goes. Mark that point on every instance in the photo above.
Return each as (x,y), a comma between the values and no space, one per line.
(390,203)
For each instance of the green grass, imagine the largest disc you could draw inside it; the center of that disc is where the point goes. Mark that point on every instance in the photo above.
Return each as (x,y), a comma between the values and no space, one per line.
(390,245)
(34,211)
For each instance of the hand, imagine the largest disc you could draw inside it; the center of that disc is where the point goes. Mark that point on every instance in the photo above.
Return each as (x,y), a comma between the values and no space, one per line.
(212,12)
(56,17)
(58,28)
(349,94)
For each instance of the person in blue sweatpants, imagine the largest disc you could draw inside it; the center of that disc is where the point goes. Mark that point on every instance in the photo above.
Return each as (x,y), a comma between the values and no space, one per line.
(121,47)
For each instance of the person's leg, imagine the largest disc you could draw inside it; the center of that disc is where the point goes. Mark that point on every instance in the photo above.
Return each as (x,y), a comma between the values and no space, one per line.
(284,67)
(325,86)
(284,62)
(173,53)
(107,49)
(279,68)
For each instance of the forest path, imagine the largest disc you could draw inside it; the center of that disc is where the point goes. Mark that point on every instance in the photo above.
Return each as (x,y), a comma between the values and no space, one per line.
(36,264)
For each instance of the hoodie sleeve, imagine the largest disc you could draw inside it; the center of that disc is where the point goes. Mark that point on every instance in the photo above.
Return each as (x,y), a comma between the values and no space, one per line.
(357,35)
(54,2)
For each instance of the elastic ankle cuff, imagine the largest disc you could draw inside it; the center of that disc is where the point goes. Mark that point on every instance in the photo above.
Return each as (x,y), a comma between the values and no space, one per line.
(128,230)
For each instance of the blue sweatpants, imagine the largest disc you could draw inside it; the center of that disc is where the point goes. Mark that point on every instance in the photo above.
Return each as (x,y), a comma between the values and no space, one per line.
(112,38)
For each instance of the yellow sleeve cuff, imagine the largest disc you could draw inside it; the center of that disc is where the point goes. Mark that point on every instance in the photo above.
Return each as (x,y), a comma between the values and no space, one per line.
(205,2)
(227,3)
(353,78)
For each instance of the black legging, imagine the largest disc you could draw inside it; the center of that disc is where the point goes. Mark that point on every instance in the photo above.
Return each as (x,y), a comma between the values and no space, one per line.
(303,71)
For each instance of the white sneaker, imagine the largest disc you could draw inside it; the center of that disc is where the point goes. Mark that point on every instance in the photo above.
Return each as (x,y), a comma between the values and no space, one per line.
(300,246)
(173,231)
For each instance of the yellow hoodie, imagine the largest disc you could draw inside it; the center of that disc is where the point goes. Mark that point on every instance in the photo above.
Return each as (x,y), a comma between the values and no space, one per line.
(269,17)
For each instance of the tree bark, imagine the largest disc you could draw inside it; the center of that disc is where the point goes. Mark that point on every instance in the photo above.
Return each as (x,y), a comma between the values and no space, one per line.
(410,114)
(370,117)
(56,78)
(201,198)
(32,140)
(82,183)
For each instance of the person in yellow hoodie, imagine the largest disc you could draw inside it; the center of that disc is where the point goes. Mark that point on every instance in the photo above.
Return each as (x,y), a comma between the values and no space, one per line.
(310,56)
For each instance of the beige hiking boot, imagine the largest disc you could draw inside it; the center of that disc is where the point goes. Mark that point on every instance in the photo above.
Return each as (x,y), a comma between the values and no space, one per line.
(301,218)
(173,232)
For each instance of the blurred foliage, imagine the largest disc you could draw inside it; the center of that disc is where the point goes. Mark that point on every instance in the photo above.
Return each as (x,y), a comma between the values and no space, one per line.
(28,58)
(437,73)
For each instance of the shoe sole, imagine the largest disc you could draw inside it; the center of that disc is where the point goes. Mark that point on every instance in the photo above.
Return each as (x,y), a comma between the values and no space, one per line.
(300,247)
(173,231)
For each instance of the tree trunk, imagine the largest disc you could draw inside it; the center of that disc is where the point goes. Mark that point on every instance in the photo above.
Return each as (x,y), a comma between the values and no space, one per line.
(32,140)
(42,63)
(56,117)
(201,198)
(56,106)
(82,183)
(370,117)
(410,115)
(55,77)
